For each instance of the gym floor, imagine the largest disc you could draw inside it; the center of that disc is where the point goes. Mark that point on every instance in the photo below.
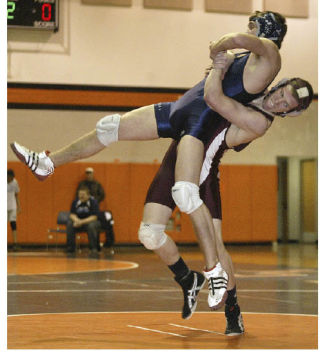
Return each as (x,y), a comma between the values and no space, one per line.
(129,300)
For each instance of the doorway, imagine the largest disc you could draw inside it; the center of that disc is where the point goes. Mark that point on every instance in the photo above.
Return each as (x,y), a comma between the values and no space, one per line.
(309,190)
(297,199)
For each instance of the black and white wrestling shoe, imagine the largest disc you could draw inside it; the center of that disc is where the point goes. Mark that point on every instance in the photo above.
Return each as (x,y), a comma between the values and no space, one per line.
(191,285)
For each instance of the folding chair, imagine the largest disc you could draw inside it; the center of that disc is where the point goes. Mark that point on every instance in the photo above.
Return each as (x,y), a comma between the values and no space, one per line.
(63,217)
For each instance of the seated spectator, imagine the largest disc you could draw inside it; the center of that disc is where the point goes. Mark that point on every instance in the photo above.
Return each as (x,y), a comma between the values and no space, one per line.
(104,216)
(84,218)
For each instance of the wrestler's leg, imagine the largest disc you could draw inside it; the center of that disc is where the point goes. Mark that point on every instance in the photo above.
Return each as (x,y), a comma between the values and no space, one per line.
(232,310)
(223,255)
(186,195)
(188,167)
(155,213)
(139,124)
(81,148)
(151,234)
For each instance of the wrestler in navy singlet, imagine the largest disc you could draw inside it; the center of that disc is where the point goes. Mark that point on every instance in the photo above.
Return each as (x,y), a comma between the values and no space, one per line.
(190,115)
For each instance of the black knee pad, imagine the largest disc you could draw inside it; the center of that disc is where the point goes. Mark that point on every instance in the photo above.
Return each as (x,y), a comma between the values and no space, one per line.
(13,225)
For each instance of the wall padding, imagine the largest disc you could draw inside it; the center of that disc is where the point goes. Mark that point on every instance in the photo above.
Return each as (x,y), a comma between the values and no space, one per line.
(248,192)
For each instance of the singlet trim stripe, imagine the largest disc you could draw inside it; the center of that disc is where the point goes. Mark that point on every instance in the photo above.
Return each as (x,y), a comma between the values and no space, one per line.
(210,153)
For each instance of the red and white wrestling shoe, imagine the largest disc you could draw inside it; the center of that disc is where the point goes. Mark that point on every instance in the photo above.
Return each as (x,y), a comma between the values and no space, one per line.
(39,163)
(217,282)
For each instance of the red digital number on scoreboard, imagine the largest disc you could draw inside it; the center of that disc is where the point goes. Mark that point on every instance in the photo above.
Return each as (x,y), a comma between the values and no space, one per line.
(46,12)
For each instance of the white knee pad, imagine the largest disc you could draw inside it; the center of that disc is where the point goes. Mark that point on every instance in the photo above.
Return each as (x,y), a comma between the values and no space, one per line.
(186,196)
(152,236)
(107,129)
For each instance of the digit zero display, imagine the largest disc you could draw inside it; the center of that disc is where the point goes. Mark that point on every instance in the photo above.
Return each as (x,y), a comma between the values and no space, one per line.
(38,14)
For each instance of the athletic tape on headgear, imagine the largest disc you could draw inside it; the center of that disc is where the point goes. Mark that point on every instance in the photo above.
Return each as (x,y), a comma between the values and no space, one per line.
(304,93)
(267,26)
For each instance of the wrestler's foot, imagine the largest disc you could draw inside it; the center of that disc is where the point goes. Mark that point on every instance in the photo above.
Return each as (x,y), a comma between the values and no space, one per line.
(234,320)
(217,282)
(39,163)
(191,285)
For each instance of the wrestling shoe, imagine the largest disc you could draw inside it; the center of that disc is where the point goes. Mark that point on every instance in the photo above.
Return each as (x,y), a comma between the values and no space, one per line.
(39,163)
(191,285)
(234,321)
(217,282)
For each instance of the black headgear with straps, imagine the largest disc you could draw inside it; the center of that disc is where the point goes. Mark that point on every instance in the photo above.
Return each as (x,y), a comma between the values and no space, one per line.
(269,26)
(303,93)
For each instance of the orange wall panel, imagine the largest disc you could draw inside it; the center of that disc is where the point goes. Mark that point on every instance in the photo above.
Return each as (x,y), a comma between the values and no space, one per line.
(118,197)
(40,207)
(249,201)
(264,203)
(236,204)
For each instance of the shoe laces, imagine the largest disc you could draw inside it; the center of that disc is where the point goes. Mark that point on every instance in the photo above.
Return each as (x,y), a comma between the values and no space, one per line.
(216,283)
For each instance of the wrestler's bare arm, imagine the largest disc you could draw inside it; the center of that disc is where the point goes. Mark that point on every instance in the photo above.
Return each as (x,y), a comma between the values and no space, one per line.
(264,61)
(251,123)
(259,46)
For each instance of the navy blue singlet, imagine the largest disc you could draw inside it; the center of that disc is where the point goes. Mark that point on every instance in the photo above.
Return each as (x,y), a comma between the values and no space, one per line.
(190,115)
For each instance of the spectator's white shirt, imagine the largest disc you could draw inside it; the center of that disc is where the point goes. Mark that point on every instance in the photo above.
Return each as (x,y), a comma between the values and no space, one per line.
(12,189)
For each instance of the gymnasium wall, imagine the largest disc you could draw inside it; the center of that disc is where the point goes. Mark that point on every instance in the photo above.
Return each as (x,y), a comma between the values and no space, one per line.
(137,47)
